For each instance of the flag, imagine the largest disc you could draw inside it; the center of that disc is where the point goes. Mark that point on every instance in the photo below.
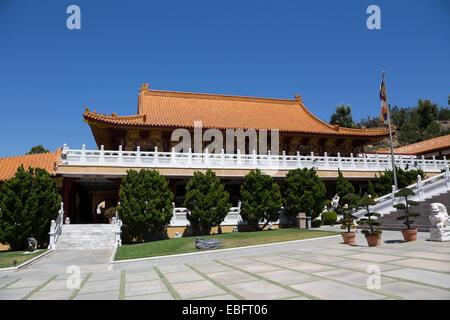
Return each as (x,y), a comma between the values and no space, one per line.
(384,111)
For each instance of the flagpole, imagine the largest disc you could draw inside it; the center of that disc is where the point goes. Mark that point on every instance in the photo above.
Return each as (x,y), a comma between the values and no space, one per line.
(394,171)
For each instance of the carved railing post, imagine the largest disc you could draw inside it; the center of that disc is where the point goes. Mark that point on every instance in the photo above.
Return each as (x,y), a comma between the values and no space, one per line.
(190,157)
(172,157)
(420,187)
(325,155)
(156,156)
(138,155)
(239,160)
(284,159)
(222,158)
(339,160)
(393,194)
(299,163)
(83,154)
(255,159)
(206,157)
(102,154)
(120,156)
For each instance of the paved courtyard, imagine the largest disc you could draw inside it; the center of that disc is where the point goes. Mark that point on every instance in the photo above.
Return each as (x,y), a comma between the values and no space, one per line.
(313,269)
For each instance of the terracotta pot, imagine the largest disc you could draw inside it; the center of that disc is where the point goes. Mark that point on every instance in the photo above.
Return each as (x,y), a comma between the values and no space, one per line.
(373,240)
(410,234)
(349,237)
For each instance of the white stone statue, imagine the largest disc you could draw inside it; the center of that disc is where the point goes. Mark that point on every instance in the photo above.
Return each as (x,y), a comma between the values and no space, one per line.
(335,201)
(440,223)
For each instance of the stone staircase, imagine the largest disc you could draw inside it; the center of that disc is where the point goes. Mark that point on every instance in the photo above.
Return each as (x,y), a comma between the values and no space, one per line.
(86,236)
(390,222)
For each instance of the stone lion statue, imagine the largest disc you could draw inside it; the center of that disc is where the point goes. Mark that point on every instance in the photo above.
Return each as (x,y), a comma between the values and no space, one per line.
(440,223)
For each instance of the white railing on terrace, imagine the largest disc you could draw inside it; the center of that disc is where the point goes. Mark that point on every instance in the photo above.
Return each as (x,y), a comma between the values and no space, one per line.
(156,159)
(423,189)
(233,218)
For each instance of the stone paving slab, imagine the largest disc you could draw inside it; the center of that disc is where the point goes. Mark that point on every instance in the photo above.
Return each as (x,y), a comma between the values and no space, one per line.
(351,277)
(260,290)
(330,290)
(309,267)
(52,295)
(108,295)
(426,277)
(184,276)
(141,276)
(374,257)
(98,286)
(28,282)
(428,255)
(408,290)
(424,264)
(188,290)
(287,276)
(315,269)
(233,276)
(14,294)
(156,296)
(144,287)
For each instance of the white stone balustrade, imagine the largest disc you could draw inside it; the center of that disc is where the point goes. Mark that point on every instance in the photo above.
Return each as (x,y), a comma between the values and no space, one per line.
(423,189)
(157,159)
(56,227)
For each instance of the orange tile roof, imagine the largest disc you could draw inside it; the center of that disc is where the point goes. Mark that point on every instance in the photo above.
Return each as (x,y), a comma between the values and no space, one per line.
(181,109)
(47,161)
(417,148)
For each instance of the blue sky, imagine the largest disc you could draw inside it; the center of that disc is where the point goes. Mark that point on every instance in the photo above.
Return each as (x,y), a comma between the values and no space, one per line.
(321,50)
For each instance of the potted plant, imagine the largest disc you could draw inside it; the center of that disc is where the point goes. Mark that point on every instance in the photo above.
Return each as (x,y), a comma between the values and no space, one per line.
(373,237)
(351,201)
(110,213)
(409,234)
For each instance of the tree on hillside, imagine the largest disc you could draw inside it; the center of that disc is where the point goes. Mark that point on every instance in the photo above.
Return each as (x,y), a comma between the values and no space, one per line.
(28,203)
(342,116)
(38,149)
(304,191)
(145,203)
(261,199)
(207,201)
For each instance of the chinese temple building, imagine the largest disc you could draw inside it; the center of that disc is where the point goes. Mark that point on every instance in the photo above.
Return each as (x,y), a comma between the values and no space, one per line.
(90,179)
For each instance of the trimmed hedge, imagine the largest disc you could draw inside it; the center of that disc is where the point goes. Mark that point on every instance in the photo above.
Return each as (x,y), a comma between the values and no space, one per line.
(329,218)
(316,223)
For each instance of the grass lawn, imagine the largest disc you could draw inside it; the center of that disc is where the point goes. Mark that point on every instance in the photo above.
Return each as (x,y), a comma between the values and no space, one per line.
(7,257)
(229,240)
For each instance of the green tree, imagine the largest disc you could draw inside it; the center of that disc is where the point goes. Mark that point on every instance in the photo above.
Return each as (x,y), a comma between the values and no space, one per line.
(38,149)
(28,203)
(384,181)
(207,201)
(342,116)
(145,203)
(350,201)
(343,186)
(365,202)
(304,191)
(405,193)
(261,199)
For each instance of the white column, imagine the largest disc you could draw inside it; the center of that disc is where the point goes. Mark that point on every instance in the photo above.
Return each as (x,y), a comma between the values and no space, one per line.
(206,157)
(222,158)
(102,154)
(172,157)
(393,194)
(420,186)
(190,157)
(83,154)
(156,157)
(239,160)
(327,164)
(138,155)
(119,158)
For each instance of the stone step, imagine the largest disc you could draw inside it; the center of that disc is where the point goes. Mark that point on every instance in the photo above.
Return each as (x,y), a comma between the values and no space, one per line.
(86,236)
